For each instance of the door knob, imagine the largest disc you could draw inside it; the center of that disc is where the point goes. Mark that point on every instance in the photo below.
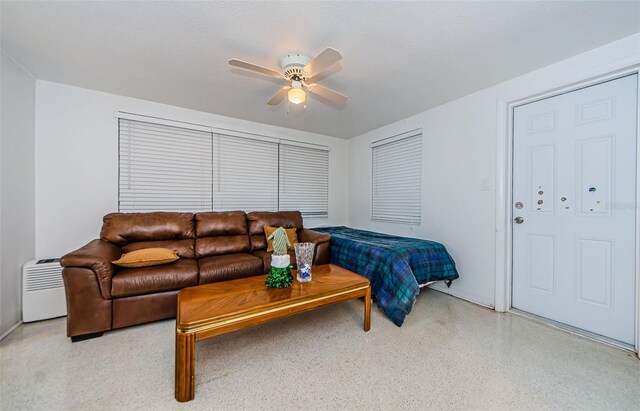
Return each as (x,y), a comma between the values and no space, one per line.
(518,220)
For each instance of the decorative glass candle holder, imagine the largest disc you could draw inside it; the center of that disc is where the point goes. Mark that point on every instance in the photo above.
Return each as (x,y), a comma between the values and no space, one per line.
(304,260)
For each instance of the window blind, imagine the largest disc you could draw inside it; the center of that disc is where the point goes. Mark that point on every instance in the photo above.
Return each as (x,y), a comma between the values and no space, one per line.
(304,180)
(245,175)
(163,168)
(397,179)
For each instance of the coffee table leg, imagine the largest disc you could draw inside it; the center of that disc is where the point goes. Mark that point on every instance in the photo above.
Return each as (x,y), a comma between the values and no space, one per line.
(367,310)
(185,366)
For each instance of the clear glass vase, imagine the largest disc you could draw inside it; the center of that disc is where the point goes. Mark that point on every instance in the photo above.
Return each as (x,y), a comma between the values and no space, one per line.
(304,260)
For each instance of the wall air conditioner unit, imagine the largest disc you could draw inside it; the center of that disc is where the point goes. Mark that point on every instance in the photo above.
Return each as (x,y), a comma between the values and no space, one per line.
(42,290)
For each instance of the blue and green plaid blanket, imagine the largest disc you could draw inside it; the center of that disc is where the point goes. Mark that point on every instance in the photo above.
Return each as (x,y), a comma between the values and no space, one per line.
(394,265)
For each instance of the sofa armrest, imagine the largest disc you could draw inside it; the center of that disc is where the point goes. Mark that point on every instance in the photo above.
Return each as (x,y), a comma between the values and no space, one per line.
(310,236)
(321,240)
(97,256)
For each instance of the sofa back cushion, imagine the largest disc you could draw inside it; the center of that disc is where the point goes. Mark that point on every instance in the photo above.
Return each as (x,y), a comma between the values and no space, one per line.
(134,231)
(221,233)
(258,219)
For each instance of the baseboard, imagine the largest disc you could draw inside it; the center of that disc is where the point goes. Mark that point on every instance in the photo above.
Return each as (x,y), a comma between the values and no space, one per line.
(576,331)
(10,330)
(438,287)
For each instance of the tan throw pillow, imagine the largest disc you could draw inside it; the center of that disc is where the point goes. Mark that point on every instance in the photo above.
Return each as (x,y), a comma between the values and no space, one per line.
(147,257)
(291,233)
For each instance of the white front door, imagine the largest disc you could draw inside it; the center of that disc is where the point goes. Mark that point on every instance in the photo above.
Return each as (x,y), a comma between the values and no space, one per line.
(574,195)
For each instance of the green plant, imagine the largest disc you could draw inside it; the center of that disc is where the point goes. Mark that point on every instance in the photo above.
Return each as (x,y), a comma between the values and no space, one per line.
(280,277)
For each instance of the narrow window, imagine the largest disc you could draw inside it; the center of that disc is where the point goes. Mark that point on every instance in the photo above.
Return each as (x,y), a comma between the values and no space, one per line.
(304,180)
(397,179)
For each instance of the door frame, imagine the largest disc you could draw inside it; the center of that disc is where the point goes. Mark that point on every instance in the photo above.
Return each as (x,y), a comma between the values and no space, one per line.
(504,176)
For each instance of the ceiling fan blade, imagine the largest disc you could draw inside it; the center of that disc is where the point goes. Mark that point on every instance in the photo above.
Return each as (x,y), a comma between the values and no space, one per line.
(253,67)
(323,60)
(279,96)
(327,93)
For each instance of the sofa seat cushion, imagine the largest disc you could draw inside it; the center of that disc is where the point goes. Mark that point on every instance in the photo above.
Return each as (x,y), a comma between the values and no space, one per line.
(266,259)
(228,267)
(146,280)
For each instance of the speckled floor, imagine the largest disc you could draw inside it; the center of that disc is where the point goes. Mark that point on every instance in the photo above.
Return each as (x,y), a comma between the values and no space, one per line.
(450,354)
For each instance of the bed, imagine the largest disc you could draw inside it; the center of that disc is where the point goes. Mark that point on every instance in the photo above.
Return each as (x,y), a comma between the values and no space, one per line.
(396,266)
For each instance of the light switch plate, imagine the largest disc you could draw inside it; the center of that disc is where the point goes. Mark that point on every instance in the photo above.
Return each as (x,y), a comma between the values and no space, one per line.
(485,184)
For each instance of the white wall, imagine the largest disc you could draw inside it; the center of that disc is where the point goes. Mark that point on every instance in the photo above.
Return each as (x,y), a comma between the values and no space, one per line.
(454,210)
(17,188)
(459,148)
(77,160)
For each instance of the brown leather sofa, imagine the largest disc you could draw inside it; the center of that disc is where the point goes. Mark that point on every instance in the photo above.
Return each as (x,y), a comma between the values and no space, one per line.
(213,246)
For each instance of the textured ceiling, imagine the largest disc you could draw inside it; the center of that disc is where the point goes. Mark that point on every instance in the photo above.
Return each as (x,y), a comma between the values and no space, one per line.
(399,58)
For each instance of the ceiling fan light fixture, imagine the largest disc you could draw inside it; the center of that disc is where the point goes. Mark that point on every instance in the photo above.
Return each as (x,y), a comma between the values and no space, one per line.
(297,70)
(296,94)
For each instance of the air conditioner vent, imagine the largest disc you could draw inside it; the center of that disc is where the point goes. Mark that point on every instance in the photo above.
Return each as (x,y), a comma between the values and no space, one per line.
(43,293)
(43,278)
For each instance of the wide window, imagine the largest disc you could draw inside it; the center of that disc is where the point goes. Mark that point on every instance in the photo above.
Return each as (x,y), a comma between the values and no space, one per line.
(170,168)
(397,179)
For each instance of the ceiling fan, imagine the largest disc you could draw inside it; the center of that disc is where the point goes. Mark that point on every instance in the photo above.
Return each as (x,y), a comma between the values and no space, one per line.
(299,71)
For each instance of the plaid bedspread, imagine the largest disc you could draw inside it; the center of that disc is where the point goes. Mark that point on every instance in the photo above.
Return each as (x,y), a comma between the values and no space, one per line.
(394,265)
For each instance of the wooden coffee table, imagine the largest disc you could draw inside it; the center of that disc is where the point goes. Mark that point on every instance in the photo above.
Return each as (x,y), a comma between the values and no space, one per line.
(208,310)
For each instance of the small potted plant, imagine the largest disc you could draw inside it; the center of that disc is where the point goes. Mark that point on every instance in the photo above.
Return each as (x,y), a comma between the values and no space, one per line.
(280,274)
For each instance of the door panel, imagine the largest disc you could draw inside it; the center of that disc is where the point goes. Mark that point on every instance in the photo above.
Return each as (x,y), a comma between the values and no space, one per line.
(594,169)
(594,271)
(543,178)
(542,260)
(575,174)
